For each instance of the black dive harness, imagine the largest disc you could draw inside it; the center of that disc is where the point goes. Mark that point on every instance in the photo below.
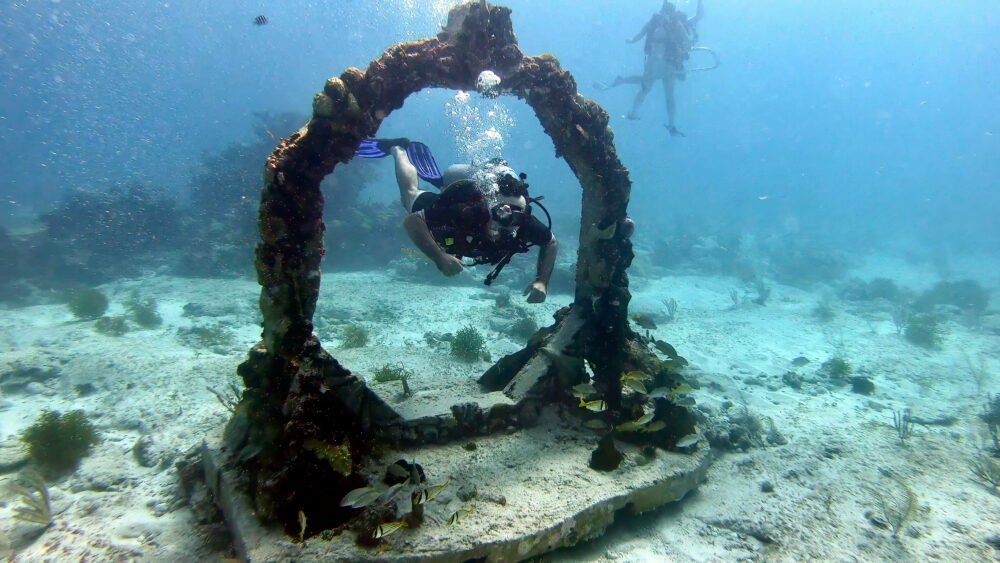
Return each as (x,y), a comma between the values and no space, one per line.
(512,244)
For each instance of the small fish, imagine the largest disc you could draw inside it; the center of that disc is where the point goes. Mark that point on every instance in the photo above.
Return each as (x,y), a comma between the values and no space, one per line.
(659,392)
(644,321)
(685,401)
(302,526)
(637,424)
(584,390)
(387,528)
(682,389)
(634,375)
(260,20)
(398,470)
(429,493)
(271,135)
(635,380)
(637,386)
(688,441)
(596,424)
(665,348)
(360,498)
(456,517)
(654,427)
(645,419)
(597,405)
(629,426)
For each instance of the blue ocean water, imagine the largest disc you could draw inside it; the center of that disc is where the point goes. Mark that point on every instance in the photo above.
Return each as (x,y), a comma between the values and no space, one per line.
(852,139)
(844,114)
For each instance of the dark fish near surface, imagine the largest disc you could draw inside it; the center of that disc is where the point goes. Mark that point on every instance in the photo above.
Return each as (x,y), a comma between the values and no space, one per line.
(260,20)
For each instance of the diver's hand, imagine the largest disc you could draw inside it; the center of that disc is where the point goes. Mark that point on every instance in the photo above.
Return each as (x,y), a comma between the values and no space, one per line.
(675,132)
(449,265)
(536,292)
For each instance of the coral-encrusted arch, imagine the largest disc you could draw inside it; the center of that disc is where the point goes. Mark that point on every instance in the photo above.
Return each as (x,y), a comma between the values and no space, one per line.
(296,391)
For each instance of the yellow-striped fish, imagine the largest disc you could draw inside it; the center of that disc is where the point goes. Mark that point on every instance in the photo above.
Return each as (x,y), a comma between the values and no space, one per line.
(635,380)
(456,517)
(637,424)
(597,405)
(386,528)
(429,493)
(654,427)
(634,375)
(583,390)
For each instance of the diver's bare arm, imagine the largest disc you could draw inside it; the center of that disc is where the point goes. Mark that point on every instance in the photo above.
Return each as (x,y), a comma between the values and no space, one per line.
(699,13)
(546,261)
(642,33)
(416,229)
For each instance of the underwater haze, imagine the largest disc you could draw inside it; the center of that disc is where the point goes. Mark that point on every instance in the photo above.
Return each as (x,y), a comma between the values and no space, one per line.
(875,120)
(821,243)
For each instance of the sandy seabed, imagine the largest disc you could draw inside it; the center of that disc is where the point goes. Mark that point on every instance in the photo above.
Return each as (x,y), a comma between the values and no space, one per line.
(152,386)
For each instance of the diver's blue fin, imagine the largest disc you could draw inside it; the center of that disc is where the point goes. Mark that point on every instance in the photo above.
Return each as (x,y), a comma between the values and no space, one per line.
(419,154)
(422,159)
(369,149)
(378,148)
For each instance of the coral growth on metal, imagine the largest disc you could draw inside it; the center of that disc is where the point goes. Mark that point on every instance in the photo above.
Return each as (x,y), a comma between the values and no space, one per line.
(289,377)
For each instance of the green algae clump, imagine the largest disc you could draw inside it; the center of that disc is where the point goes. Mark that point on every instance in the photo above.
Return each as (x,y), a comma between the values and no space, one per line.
(111,326)
(57,442)
(924,331)
(143,311)
(355,336)
(837,368)
(468,345)
(87,303)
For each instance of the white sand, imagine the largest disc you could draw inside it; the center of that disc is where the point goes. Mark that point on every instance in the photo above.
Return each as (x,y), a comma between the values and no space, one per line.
(150,384)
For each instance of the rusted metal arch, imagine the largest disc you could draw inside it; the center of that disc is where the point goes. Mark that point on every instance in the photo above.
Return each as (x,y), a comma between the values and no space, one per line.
(295,390)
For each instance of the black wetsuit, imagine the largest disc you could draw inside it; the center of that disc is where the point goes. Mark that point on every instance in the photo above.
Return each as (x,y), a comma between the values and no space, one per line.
(459,219)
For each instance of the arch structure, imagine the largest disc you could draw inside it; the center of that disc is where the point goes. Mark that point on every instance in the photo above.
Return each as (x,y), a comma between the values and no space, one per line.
(304,421)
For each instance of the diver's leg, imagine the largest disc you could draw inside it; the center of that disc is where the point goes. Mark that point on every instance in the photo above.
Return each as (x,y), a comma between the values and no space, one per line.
(668,92)
(640,98)
(406,177)
(618,81)
(646,84)
(634,79)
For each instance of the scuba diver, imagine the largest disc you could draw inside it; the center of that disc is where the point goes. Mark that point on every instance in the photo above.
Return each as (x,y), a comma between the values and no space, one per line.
(481,213)
(670,37)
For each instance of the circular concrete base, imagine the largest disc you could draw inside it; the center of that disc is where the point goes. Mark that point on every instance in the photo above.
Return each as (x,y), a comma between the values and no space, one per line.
(529,492)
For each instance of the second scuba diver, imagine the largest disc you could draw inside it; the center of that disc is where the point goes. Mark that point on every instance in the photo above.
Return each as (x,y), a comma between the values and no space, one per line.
(669,37)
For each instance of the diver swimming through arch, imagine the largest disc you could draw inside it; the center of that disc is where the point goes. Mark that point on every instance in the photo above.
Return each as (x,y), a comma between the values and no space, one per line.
(481,214)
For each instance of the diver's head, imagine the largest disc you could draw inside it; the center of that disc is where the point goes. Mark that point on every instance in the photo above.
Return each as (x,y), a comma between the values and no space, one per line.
(495,176)
(668,7)
(512,196)
(512,185)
